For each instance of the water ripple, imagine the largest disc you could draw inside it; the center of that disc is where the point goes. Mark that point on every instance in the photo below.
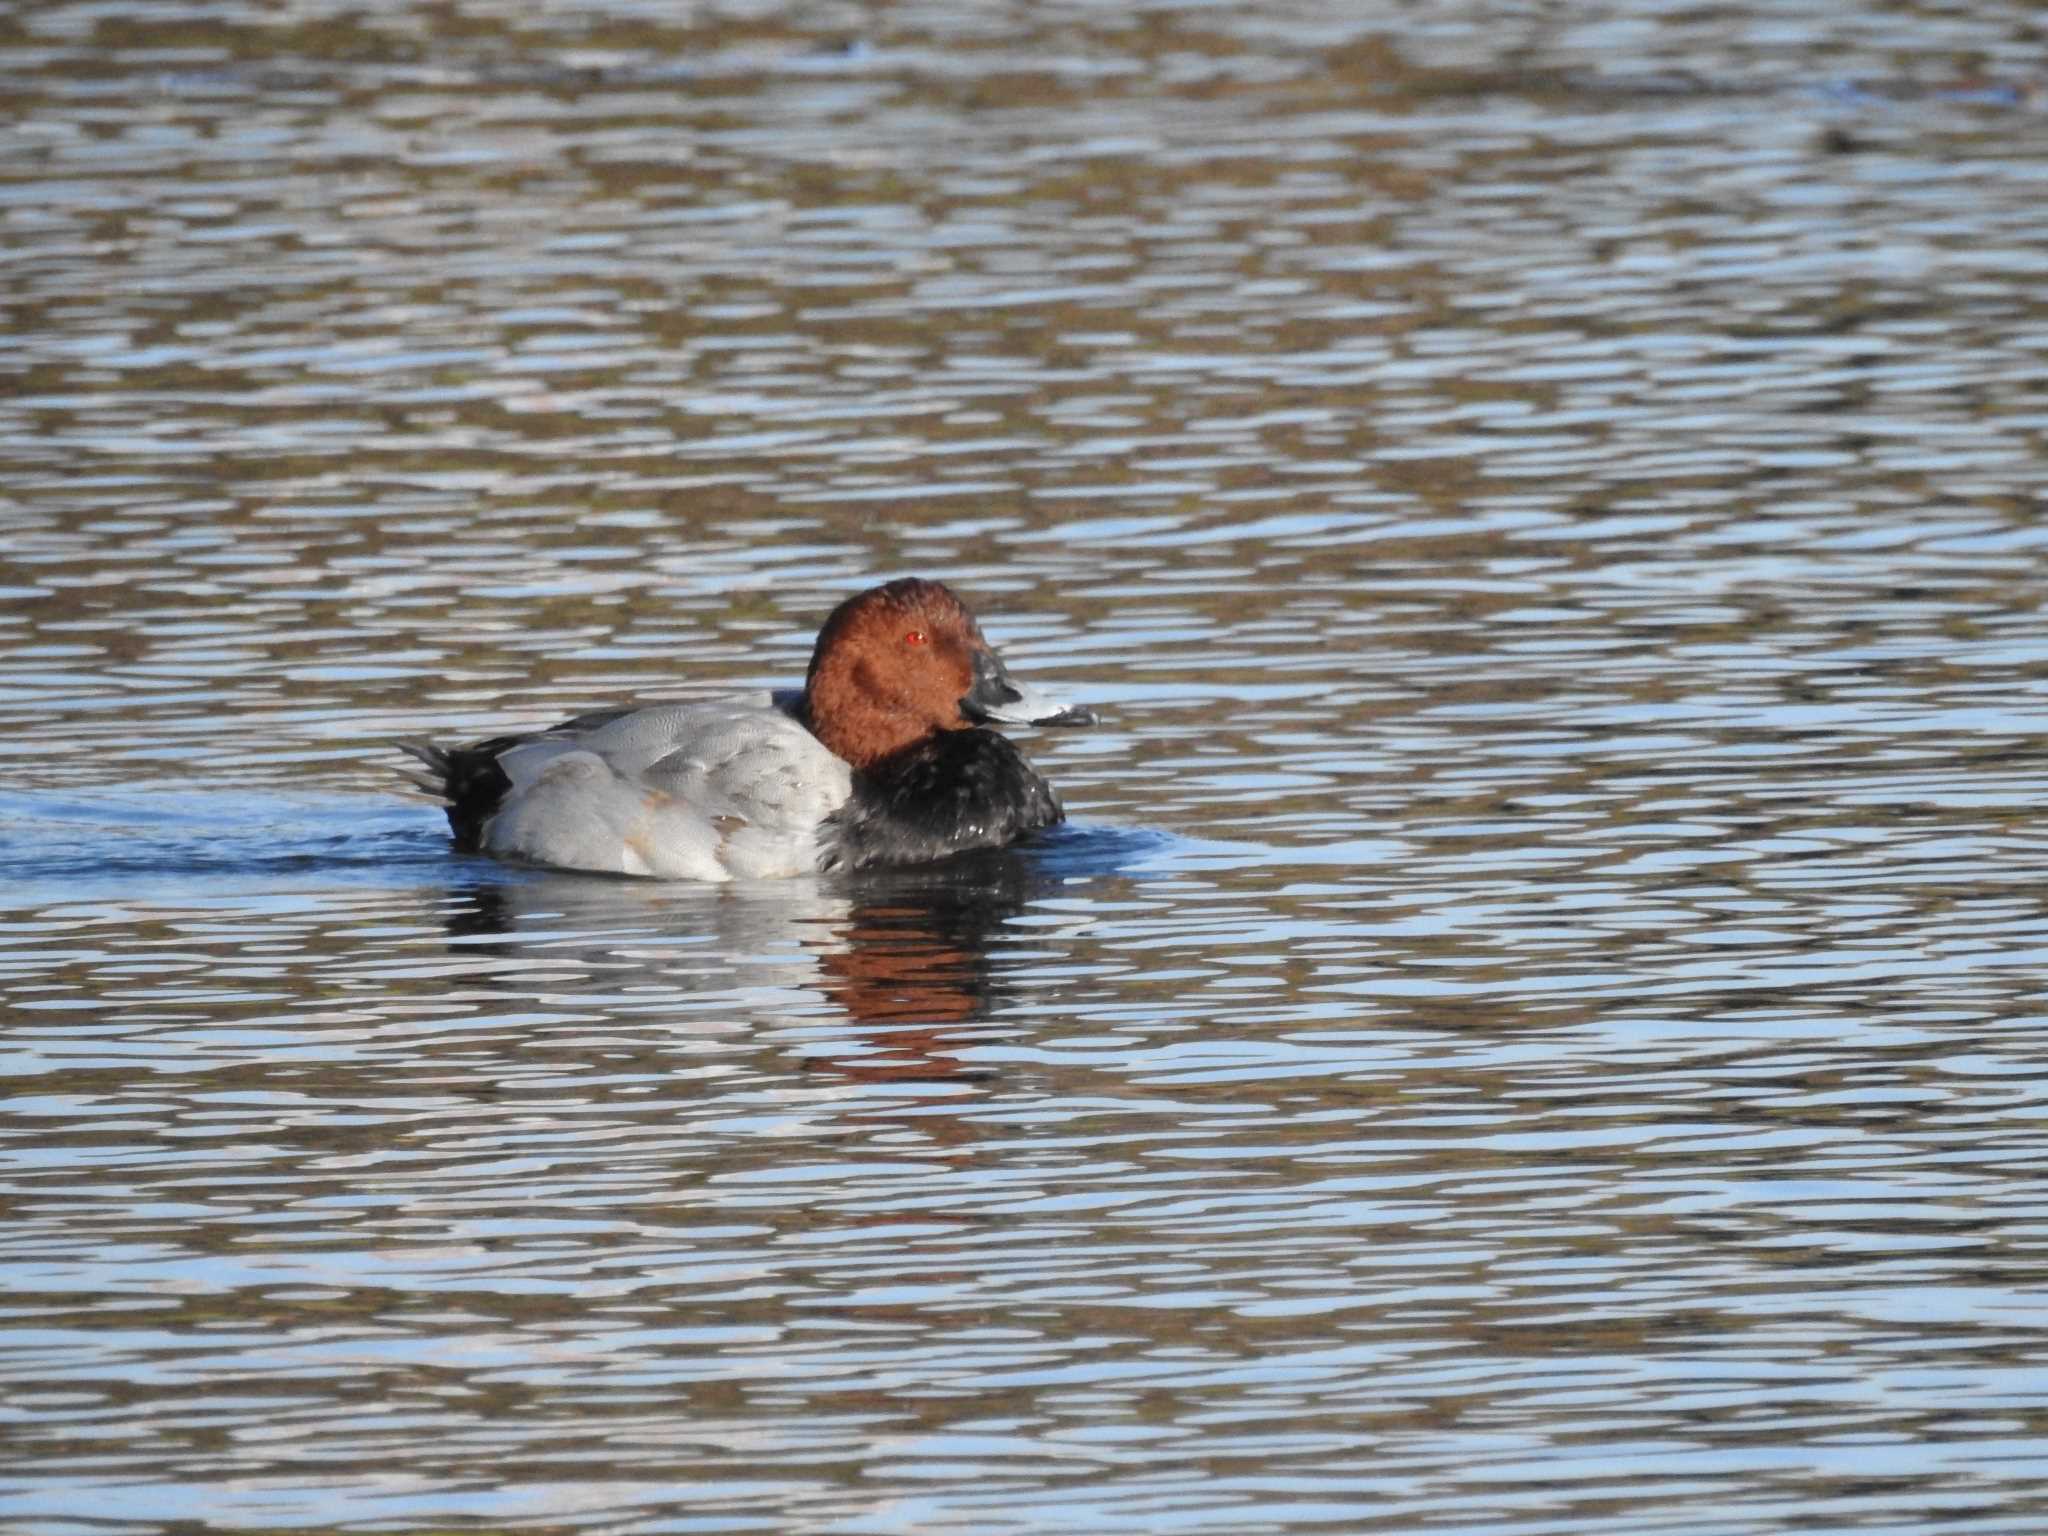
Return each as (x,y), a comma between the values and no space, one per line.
(1535,1021)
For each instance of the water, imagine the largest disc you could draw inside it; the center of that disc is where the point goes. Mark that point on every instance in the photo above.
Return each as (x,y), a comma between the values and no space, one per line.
(1537,1021)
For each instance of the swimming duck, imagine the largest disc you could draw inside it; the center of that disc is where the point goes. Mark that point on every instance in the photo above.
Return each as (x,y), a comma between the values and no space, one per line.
(884,757)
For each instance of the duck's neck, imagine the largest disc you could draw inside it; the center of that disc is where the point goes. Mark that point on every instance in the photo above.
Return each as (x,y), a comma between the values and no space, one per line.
(856,721)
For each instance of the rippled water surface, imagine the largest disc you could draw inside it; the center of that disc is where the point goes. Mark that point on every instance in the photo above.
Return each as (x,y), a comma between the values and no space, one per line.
(1539,1020)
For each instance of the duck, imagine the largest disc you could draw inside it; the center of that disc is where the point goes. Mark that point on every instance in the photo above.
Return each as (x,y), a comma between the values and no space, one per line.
(887,756)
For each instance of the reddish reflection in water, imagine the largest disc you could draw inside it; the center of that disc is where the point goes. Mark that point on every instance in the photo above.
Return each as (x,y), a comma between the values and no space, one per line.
(911,978)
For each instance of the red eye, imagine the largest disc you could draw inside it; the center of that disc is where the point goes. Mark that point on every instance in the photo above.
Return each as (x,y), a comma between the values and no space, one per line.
(915,637)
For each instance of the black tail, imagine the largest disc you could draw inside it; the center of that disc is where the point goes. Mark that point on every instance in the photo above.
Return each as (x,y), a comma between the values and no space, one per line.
(467,780)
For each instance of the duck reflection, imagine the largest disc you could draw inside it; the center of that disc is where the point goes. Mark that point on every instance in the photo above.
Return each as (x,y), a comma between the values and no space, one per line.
(912,966)
(903,956)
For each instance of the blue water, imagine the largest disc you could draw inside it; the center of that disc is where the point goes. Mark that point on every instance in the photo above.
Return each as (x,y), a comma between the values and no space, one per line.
(1536,1023)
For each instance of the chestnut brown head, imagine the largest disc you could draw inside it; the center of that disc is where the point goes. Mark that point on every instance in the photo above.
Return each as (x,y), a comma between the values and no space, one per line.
(899,662)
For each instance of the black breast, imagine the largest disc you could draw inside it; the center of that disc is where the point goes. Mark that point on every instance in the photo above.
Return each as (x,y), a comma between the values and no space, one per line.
(956,791)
